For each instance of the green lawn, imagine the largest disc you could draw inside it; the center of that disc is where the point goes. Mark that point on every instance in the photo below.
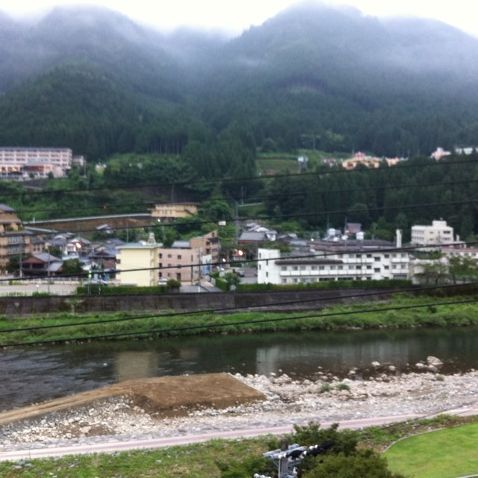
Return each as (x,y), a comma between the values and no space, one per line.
(446,453)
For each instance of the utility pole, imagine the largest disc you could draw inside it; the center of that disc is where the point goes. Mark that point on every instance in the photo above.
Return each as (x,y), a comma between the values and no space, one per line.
(288,459)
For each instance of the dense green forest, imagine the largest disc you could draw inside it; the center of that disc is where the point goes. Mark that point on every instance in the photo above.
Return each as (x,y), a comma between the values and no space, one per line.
(93,80)
(183,116)
(415,191)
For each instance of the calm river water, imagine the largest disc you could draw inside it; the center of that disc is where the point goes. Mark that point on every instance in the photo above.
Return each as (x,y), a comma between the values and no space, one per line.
(32,375)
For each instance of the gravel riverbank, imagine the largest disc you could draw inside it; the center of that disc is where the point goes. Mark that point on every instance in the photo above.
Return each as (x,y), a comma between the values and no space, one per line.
(288,401)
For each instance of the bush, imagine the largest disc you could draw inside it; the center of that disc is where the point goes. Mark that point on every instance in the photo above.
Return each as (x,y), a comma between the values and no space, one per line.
(362,464)
(342,386)
(173,284)
(97,289)
(220,283)
(337,442)
(326,387)
(371,284)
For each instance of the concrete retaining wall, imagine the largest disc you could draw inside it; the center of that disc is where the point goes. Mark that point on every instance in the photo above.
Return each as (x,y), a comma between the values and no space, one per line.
(313,299)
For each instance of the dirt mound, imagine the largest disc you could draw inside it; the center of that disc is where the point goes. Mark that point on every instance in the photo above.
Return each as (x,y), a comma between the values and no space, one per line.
(160,395)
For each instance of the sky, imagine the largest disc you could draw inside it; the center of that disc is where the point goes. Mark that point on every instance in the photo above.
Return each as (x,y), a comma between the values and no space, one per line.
(238,15)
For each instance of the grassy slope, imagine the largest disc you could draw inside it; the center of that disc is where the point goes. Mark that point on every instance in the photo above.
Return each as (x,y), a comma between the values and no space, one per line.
(441,454)
(198,461)
(436,316)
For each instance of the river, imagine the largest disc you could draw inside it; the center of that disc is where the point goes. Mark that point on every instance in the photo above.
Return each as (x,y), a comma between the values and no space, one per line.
(32,375)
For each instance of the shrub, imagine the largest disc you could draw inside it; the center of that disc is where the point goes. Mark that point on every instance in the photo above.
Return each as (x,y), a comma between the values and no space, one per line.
(96,289)
(337,441)
(362,464)
(173,284)
(326,387)
(342,386)
(373,284)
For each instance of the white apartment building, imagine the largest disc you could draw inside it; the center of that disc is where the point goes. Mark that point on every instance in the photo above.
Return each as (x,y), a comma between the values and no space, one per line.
(438,233)
(24,163)
(348,260)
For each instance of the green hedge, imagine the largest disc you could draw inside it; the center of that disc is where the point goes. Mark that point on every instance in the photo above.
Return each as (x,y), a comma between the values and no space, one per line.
(371,284)
(96,289)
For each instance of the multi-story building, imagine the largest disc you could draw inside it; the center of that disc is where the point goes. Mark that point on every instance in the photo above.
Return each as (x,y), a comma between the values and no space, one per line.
(180,262)
(139,261)
(438,233)
(332,261)
(24,163)
(14,241)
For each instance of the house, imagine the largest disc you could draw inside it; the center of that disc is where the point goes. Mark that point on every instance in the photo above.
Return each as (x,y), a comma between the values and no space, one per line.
(208,245)
(14,240)
(255,233)
(172,211)
(42,264)
(439,154)
(352,228)
(371,162)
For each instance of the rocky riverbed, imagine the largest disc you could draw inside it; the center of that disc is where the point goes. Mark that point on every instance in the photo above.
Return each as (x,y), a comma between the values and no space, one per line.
(324,398)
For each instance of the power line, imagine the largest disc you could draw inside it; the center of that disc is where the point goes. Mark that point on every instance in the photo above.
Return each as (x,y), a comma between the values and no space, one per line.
(354,250)
(172,330)
(238,308)
(202,182)
(264,194)
(264,217)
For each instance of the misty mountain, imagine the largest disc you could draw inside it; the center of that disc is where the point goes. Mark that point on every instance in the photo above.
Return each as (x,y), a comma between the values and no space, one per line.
(352,81)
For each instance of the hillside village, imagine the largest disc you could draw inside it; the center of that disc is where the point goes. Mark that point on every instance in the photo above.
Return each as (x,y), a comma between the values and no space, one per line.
(261,256)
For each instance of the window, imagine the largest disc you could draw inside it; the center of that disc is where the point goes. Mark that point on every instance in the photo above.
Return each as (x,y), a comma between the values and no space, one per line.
(369,267)
(179,256)
(358,256)
(369,256)
(314,268)
(376,259)
(386,268)
(295,268)
(386,256)
(321,268)
(169,256)
(358,267)
(340,268)
(283,268)
(377,269)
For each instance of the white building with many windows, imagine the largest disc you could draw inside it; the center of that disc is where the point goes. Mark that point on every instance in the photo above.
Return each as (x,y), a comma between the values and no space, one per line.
(25,163)
(332,261)
(438,233)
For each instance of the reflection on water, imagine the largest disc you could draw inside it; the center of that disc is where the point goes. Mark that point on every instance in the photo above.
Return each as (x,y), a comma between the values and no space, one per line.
(130,365)
(31,375)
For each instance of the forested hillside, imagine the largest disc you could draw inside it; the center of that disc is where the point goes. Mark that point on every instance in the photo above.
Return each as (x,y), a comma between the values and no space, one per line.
(94,80)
